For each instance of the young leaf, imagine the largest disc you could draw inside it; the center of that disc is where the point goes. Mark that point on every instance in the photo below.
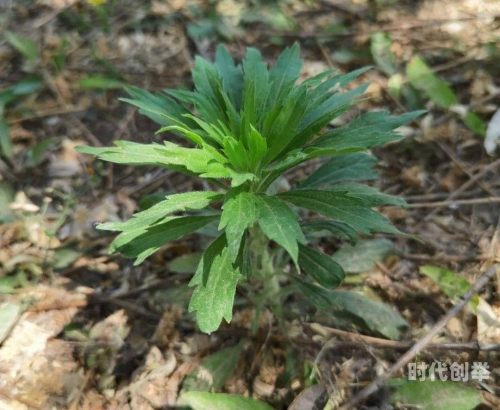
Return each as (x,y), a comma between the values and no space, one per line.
(320,267)
(238,214)
(348,167)
(232,76)
(341,206)
(215,281)
(279,223)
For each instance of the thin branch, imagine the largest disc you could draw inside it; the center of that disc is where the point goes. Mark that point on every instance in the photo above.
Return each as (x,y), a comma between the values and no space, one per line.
(358,341)
(374,386)
(477,201)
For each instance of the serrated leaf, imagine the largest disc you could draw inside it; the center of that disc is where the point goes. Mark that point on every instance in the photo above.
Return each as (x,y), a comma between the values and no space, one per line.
(143,242)
(349,167)
(238,214)
(221,401)
(437,395)
(369,195)
(449,282)
(214,370)
(362,256)
(215,281)
(367,131)
(172,203)
(422,78)
(376,316)
(340,206)
(320,267)
(279,223)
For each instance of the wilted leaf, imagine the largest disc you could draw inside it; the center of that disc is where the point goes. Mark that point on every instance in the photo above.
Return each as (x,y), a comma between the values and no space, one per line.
(205,401)
(312,398)
(214,370)
(437,395)
(362,256)
(422,78)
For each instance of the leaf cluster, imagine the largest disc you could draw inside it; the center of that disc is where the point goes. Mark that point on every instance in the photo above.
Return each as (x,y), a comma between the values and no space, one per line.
(245,126)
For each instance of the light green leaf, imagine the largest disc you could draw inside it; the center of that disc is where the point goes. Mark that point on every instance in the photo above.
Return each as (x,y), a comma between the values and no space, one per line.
(422,78)
(475,124)
(214,370)
(279,223)
(143,242)
(24,45)
(101,83)
(348,167)
(215,281)
(172,203)
(437,395)
(382,54)
(238,214)
(320,267)
(362,256)
(340,206)
(220,401)
(65,257)
(449,282)
(185,263)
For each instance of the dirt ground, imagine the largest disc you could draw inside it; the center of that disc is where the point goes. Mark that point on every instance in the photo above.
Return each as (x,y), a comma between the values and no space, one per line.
(82,329)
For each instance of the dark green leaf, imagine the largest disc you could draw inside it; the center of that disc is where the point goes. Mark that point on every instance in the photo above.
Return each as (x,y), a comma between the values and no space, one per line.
(338,229)
(340,206)
(349,167)
(320,267)
(362,256)
(5,141)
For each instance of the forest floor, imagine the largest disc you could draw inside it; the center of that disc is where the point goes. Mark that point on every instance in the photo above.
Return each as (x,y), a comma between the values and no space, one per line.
(83,329)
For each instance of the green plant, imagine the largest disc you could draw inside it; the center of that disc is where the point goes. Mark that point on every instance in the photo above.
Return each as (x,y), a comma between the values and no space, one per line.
(251,126)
